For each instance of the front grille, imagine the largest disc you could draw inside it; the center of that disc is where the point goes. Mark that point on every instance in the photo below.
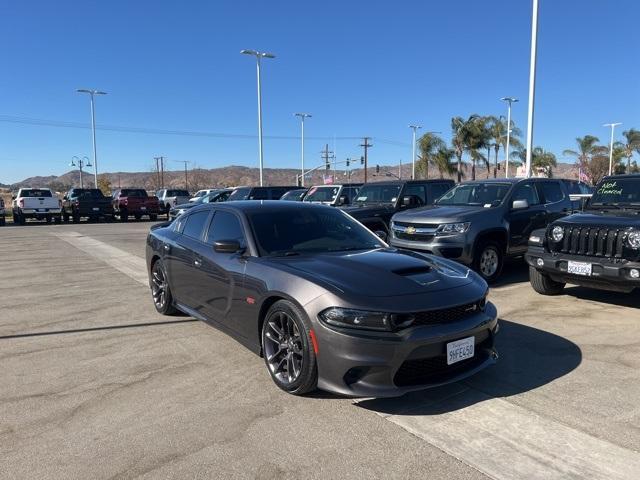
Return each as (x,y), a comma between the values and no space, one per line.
(417,225)
(591,241)
(416,237)
(433,370)
(448,315)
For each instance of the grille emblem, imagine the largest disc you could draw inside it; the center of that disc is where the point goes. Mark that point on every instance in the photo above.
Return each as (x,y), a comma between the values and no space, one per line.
(410,230)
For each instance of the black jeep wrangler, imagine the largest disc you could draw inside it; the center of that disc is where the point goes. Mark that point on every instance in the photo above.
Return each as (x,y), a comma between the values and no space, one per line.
(597,248)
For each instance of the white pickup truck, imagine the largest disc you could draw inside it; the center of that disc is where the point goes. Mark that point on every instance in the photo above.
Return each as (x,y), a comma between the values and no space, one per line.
(38,203)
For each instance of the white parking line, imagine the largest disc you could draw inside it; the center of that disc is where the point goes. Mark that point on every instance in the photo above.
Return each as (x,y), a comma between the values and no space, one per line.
(506,441)
(131,265)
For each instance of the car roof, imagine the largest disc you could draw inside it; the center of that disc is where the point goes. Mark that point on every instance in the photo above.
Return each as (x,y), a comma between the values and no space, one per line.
(409,182)
(250,206)
(626,175)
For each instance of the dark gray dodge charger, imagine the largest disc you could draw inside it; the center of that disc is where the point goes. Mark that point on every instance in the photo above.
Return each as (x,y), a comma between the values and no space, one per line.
(326,302)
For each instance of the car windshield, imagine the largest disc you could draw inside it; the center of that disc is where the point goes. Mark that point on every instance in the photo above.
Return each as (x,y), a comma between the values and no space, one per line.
(378,194)
(294,231)
(240,194)
(177,193)
(89,193)
(485,194)
(35,193)
(620,191)
(137,192)
(322,194)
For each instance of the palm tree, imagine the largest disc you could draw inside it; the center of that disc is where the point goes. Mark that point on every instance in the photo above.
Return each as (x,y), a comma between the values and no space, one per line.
(632,144)
(543,161)
(586,148)
(442,160)
(428,146)
(469,136)
(460,138)
(498,133)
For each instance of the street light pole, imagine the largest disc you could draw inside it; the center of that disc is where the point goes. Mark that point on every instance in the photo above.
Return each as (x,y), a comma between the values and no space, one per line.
(302,117)
(93,93)
(81,162)
(413,150)
(532,85)
(613,126)
(259,56)
(509,101)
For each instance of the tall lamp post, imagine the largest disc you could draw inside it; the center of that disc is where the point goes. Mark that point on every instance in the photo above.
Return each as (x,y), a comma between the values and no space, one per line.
(80,163)
(532,85)
(413,150)
(509,101)
(302,117)
(93,93)
(613,126)
(259,56)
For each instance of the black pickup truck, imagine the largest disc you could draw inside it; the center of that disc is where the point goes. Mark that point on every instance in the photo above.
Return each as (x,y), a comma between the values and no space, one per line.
(597,248)
(376,203)
(88,203)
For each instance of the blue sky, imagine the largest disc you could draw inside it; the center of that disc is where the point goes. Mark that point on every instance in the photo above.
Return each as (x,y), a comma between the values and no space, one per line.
(361,68)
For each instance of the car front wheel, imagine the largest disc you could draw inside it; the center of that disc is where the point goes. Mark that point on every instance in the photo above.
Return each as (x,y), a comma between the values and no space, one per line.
(160,291)
(543,284)
(488,261)
(287,349)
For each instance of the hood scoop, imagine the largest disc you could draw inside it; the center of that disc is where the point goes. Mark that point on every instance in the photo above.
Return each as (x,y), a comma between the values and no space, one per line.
(411,271)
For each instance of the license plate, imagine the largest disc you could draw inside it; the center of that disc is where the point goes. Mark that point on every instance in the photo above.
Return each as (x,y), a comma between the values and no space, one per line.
(96,209)
(460,350)
(579,268)
(42,209)
(143,208)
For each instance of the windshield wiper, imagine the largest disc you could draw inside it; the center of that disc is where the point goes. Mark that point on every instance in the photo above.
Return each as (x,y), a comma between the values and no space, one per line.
(287,253)
(606,204)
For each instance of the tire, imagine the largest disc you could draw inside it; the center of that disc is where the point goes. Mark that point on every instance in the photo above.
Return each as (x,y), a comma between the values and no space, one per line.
(124,216)
(18,219)
(137,216)
(543,284)
(57,219)
(75,216)
(296,333)
(160,290)
(65,217)
(2,221)
(47,219)
(153,218)
(488,261)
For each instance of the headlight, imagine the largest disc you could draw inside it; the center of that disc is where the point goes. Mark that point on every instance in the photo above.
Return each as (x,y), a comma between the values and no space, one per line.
(452,228)
(557,233)
(633,239)
(364,320)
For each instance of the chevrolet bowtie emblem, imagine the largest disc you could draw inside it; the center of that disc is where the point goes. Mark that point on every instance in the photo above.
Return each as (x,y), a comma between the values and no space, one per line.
(411,230)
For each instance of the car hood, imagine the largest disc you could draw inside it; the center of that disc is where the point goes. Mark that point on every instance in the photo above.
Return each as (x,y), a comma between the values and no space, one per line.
(610,218)
(357,211)
(440,214)
(381,272)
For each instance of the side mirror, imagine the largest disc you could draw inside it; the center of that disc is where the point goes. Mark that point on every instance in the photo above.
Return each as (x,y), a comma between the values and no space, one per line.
(520,204)
(343,200)
(226,246)
(382,235)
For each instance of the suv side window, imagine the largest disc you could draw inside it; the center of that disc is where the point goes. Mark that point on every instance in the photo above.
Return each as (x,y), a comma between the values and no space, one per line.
(526,191)
(225,226)
(194,224)
(259,194)
(551,191)
(276,193)
(417,191)
(438,189)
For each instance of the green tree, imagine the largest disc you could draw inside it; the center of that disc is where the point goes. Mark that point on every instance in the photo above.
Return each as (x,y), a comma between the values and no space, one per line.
(470,136)
(443,161)
(498,135)
(587,146)
(630,145)
(543,161)
(428,146)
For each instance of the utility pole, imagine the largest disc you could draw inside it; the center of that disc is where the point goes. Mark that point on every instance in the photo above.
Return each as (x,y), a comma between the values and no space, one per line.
(366,145)
(326,156)
(160,170)
(186,180)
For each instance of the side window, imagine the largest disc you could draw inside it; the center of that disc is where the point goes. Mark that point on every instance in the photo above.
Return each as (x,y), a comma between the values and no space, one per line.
(225,226)
(526,191)
(552,192)
(194,224)
(259,194)
(417,191)
(276,193)
(438,189)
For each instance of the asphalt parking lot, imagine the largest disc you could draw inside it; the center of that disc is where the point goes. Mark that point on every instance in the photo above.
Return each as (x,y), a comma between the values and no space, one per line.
(96,384)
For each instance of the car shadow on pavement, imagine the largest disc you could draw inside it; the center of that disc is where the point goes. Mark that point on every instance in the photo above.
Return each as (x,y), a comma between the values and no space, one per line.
(515,270)
(620,299)
(529,358)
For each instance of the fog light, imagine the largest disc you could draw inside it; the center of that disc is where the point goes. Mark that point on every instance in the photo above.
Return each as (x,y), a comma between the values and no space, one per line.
(540,262)
(634,273)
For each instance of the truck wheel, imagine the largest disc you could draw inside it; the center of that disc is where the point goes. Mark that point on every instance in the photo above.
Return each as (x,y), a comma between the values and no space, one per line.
(2,222)
(543,284)
(65,217)
(137,216)
(47,219)
(153,218)
(488,261)
(18,219)
(76,217)
(124,216)
(57,220)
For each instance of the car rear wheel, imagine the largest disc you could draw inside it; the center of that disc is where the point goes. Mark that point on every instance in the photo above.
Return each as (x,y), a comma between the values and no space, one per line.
(137,216)
(160,291)
(543,284)
(489,260)
(2,221)
(124,216)
(153,218)
(287,349)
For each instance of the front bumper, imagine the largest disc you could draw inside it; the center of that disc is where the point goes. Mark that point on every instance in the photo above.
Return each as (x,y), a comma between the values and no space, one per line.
(367,364)
(453,247)
(607,274)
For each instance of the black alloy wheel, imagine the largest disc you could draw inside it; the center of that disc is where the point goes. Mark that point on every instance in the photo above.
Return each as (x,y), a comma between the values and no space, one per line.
(160,291)
(287,349)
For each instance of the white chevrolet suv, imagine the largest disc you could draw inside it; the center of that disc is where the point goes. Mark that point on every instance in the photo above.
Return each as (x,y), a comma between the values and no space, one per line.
(38,203)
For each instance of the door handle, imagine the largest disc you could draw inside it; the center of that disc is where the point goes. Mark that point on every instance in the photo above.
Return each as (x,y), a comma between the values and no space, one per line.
(197,263)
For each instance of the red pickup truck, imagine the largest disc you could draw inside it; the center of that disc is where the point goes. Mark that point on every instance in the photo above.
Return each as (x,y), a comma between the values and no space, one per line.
(136,202)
